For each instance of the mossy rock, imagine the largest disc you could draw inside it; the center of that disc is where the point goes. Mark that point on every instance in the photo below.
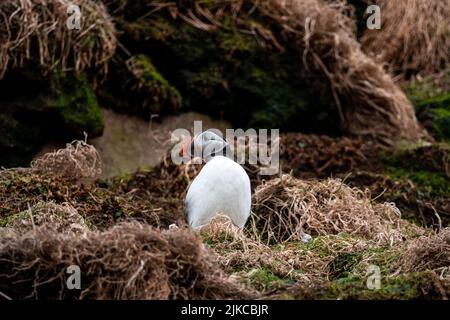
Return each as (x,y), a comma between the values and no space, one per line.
(75,102)
(229,74)
(431,98)
(35,107)
(136,87)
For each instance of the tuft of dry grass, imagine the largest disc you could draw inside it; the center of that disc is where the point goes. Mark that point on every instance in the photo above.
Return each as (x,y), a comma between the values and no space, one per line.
(428,253)
(414,36)
(127,261)
(36,30)
(77,160)
(287,207)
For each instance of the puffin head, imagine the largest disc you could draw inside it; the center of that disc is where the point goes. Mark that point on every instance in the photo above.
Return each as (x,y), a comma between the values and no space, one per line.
(206,145)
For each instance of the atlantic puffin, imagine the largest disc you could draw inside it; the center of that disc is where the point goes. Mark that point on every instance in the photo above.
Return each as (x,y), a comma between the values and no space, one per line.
(222,186)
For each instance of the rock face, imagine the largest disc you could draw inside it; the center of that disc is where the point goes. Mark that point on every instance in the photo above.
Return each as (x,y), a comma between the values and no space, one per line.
(172,66)
(245,69)
(135,87)
(130,143)
(34,107)
(222,72)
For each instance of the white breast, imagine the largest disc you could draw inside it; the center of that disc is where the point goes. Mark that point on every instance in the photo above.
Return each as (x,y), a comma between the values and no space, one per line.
(222,186)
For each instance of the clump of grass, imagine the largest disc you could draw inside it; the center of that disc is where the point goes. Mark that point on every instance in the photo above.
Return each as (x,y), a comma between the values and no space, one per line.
(77,160)
(415,36)
(321,259)
(127,261)
(54,179)
(36,31)
(286,208)
(430,252)
(239,254)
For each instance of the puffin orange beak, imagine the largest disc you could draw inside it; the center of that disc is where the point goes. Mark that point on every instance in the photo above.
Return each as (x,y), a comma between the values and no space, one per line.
(184,147)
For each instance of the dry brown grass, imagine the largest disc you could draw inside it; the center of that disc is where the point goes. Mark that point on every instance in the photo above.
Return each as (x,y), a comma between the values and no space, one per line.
(369,102)
(138,261)
(77,160)
(323,34)
(241,255)
(127,261)
(414,37)
(428,252)
(287,207)
(237,251)
(36,31)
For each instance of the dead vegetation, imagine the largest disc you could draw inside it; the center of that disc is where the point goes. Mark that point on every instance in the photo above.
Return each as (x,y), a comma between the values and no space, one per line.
(119,233)
(415,38)
(428,253)
(320,33)
(36,31)
(127,261)
(101,205)
(374,105)
(287,207)
(369,102)
(59,179)
(319,156)
(77,160)
(244,256)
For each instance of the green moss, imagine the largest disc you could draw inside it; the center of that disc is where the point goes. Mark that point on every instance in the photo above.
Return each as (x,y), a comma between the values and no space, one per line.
(431,98)
(154,82)
(424,164)
(139,89)
(360,7)
(420,285)
(10,220)
(441,122)
(263,279)
(229,74)
(435,184)
(77,104)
